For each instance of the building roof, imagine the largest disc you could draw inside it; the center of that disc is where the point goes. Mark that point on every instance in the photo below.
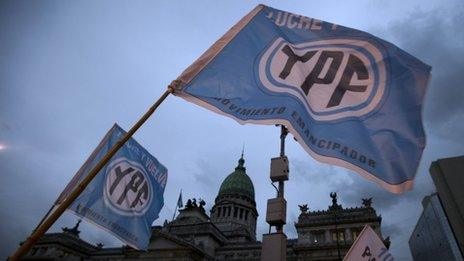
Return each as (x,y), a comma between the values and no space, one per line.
(337,214)
(238,183)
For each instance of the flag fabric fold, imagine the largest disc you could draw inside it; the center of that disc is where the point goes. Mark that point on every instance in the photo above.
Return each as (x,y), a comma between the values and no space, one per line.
(349,98)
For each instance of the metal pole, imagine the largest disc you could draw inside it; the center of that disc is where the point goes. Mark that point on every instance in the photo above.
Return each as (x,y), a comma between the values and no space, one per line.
(283,135)
(177,206)
(30,241)
(280,192)
(174,215)
(275,245)
(336,232)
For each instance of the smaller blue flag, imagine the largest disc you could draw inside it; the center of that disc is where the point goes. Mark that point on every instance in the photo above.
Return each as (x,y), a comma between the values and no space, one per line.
(179,201)
(126,196)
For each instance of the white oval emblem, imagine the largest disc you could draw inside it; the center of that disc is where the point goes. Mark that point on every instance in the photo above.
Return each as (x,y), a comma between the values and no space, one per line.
(127,188)
(334,79)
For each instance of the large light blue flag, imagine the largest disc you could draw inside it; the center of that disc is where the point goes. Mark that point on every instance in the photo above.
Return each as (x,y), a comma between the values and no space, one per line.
(126,196)
(348,97)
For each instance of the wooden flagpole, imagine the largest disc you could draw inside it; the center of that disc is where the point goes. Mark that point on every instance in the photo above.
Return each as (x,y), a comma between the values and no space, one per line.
(30,241)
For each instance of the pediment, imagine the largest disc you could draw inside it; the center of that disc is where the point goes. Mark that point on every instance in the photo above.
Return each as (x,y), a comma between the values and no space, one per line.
(164,243)
(161,240)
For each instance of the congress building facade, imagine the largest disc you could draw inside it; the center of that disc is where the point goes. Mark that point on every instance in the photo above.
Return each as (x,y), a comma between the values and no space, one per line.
(227,232)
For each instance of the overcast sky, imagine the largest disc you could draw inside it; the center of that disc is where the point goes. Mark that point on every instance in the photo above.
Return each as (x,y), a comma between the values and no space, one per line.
(70,69)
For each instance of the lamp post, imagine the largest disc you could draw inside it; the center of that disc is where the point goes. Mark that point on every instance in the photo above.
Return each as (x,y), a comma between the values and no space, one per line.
(335,208)
(274,246)
(336,234)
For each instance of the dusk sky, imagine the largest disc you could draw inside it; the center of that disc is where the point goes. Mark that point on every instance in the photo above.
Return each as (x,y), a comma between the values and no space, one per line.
(70,69)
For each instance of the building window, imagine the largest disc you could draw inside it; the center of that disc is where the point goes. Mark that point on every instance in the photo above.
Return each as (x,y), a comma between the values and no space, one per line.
(318,237)
(246,214)
(241,213)
(218,212)
(341,236)
(228,211)
(235,211)
(355,234)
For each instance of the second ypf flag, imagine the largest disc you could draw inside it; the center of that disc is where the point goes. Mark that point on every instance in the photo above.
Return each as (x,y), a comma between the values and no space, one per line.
(126,196)
(349,98)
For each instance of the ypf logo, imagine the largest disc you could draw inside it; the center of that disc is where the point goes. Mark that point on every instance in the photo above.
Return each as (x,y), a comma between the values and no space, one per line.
(334,78)
(127,188)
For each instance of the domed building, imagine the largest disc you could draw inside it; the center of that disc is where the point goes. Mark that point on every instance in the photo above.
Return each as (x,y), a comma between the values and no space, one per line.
(227,233)
(234,211)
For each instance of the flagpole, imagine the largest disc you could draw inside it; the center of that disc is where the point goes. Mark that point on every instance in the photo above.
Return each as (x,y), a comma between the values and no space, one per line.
(177,205)
(30,241)
(174,215)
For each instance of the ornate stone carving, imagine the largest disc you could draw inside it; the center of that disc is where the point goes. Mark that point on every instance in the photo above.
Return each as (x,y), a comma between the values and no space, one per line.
(73,231)
(192,203)
(303,208)
(367,202)
(189,205)
(333,195)
(202,204)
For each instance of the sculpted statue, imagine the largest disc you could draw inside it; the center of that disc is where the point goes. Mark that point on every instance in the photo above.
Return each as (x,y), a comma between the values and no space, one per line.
(192,203)
(202,203)
(367,202)
(74,230)
(189,205)
(333,195)
(303,208)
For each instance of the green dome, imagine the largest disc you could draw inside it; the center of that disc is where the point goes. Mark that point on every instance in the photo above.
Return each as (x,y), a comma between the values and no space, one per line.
(238,183)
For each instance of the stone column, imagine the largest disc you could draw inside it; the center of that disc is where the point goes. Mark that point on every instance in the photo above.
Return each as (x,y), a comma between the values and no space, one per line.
(348,235)
(328,236)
